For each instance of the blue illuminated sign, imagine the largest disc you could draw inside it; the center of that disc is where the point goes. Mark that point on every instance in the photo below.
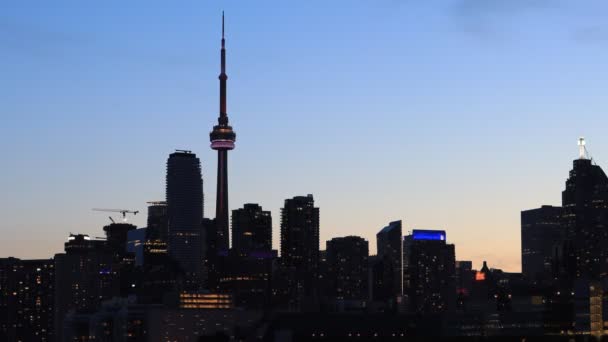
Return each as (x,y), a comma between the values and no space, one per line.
(437,235)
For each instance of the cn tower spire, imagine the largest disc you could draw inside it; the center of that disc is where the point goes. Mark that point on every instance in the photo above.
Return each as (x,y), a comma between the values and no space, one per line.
(223,119)
(222,139)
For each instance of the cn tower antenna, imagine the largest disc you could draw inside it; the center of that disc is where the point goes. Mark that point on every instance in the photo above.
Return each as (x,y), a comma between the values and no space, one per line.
(582,151)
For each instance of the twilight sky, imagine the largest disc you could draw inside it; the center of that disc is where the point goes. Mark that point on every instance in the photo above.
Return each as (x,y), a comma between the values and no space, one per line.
(447,114)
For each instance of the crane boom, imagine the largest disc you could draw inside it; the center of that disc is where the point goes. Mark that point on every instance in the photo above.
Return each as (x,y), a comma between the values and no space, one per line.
(124,212)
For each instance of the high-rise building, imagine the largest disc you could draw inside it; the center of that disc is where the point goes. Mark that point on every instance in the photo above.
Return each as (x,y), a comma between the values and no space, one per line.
(542,239)
(185,212)
(429,269)
(347,259)
(222,140)
(157,231)
(585,218)
(26,300)
(85,275)
(389,245)
(251,229)
(300,245)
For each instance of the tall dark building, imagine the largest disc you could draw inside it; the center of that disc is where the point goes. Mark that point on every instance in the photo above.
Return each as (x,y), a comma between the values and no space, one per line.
(585,218)
(26,300)
(185,212)
(247,268)
(430,275)
(300,245)
(389,245)
(251,229)
(222,140)
(347,259)
(542,239)
(85,275)
(157,231)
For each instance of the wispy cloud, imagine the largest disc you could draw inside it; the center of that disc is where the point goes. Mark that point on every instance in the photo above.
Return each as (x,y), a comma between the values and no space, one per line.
(35,40)
(483,18)
(477,8)
(591,35)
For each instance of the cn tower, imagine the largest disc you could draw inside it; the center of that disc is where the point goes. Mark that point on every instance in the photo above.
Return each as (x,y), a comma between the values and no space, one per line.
(222,140)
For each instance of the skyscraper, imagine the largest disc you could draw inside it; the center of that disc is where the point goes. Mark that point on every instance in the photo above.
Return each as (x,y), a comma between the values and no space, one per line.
(300,244)
(185,212)
(222,140)
(251,229)
(429,267)
(542,238)
(585,218)
(85,275)
(389,246)
(347,259)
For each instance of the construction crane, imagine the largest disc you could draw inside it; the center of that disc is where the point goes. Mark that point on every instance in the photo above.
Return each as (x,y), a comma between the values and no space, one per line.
(124,212)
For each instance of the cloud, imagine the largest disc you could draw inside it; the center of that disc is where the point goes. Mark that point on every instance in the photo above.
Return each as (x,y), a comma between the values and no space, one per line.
(591,35)
(35,40)
(476,8)
(481,18)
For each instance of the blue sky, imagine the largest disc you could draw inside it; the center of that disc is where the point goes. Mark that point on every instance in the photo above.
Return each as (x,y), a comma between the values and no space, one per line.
(450,115)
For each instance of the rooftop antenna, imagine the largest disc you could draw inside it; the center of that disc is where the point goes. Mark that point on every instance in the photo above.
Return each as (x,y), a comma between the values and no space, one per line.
(582,151)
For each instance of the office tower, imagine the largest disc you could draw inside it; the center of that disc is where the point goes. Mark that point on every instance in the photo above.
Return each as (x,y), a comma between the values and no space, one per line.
(542,239)
(222,140)
(251,229)
(429,268)
(300,246)
(26,300)
(347,259)
(389,245)
(185,212)
(85,275)
(157,231)
(585,218)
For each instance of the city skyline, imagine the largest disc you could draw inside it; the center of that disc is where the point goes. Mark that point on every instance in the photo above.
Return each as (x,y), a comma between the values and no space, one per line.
(345,176)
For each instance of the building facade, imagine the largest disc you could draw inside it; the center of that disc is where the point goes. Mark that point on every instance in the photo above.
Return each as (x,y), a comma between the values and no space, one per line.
(185,212)
(542,242)
(300,247)
(430,274)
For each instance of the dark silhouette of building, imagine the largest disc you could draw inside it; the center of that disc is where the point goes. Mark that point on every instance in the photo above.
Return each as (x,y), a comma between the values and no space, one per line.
(585,218)
(251,229)
(389,247)
(185,212)
(136,240)
(347,259)
(429,269)
(245,271)
(157,231)
(300,248)
(26,300)
(247,277)
(84,276)
(464,282)
(222,140)
(542,239)
(117,237)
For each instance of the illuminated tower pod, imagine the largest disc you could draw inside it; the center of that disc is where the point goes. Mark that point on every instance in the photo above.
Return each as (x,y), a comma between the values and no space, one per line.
(222,140)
